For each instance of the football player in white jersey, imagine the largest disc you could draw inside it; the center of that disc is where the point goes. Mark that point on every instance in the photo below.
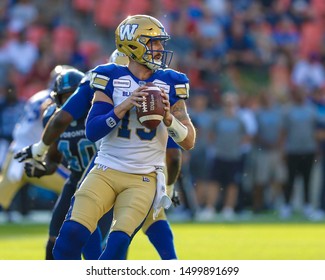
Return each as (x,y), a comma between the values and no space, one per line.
(158,230)
(27,131)
(127,174)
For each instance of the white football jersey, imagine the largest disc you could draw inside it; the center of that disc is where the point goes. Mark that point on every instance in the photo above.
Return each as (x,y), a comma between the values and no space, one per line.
(28,129)
(130,147)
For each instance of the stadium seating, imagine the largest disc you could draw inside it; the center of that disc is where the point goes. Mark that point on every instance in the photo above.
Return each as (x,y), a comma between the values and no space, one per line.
(106,13)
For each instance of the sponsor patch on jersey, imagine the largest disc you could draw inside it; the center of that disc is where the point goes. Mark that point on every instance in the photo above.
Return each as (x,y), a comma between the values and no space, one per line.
(99,81)
(182,90)
(121,83)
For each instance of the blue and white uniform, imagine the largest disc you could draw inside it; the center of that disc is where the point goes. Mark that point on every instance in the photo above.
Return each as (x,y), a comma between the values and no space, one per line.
(27,131)
(126,147)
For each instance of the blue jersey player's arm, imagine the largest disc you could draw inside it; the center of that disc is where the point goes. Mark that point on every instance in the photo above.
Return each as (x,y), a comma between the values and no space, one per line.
(53,157)
(76,107)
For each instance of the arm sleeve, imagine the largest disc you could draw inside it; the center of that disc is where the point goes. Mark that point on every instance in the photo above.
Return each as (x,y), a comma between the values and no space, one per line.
(79,103)
(100,121)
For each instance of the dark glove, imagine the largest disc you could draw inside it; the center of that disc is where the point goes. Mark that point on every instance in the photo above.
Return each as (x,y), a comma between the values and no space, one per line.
(35,169)
(25,153)
(35,151)
(175,199)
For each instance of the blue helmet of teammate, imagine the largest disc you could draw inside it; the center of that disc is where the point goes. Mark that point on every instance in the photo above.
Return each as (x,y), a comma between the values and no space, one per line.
(65,84)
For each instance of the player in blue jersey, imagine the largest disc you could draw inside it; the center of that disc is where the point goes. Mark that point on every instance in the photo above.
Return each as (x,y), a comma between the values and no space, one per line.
(128,172)
(158,230)
(77,151)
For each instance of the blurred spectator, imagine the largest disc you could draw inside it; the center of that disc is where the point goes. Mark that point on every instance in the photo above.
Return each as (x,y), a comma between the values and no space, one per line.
(246,114)
(3,15)
(4,68)
(270,172)
(22,14)
(280,77)
(183,27)
(241,48)
(300,150)
(66,48)
(228,131)
(10,111)
(318,99)
(262,35)
(20,53)
(309,73)
(203,154)
(37,78)
(211,48)
(285,36)
(276,10)
(312,33)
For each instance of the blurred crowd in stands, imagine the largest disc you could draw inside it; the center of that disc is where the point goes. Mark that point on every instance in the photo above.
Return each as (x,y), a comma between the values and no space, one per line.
(257,77)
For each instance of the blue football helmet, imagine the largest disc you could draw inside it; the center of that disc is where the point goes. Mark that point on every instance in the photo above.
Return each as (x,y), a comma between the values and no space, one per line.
(66,83)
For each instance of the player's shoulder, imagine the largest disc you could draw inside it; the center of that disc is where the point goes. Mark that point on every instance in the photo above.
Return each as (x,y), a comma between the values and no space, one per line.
(108,69)
(172,76)
(102,74)
(174,81)
(49,111)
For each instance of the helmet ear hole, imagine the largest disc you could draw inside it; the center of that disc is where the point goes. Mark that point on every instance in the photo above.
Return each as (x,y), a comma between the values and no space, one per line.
(132,47)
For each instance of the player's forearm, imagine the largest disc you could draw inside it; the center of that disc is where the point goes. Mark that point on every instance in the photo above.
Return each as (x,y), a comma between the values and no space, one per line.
(51,167)
(189,141)
(180,127)
(57,124)
(101,120)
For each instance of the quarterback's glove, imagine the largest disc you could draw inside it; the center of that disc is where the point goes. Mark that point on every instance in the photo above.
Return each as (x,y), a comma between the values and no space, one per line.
(35,169)
(175,199)
(35,151)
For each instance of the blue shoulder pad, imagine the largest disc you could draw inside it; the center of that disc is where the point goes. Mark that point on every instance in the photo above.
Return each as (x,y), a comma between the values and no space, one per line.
(100,76)
(176,83)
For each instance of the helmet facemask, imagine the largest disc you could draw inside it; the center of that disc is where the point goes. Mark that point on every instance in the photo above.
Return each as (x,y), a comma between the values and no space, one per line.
(149,55)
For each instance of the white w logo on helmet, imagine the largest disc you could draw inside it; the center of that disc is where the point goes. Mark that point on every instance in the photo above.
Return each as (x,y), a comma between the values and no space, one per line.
(128,31)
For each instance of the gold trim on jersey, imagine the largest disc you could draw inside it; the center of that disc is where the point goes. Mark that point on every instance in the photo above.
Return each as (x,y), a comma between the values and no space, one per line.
(99,81)
(182,90)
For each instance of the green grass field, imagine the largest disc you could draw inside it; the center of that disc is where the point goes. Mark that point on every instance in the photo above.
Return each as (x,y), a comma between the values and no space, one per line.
(218,241)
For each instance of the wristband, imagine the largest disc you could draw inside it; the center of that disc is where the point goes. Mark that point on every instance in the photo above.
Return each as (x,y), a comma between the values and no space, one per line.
(177,130)
(39,149)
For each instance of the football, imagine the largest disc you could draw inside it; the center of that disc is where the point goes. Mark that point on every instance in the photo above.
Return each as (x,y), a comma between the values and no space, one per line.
(152,110)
